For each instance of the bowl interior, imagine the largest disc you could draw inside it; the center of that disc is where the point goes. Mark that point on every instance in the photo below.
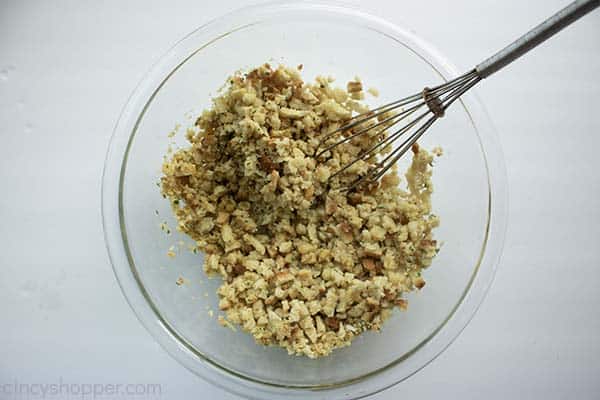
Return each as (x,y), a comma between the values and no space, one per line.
(324,45)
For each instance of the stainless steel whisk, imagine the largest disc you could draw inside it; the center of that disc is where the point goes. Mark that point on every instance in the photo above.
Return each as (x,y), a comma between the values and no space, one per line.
(431,103)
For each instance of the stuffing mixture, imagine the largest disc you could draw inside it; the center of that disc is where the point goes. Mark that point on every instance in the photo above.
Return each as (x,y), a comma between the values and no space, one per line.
(305,266)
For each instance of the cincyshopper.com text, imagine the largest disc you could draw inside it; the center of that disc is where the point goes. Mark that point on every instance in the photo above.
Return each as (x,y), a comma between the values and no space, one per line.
(84,391)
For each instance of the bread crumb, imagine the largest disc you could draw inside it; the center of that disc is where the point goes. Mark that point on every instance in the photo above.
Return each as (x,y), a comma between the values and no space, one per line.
(373,92)
(354,86)
(223,322)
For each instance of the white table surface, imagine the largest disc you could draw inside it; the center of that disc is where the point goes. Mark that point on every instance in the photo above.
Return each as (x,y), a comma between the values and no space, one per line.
(66,70)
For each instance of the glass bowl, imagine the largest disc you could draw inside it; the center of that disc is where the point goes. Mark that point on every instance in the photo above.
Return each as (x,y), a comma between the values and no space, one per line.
(470,198)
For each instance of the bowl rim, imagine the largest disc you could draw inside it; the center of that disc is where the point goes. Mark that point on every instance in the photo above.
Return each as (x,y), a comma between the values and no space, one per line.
(129,281)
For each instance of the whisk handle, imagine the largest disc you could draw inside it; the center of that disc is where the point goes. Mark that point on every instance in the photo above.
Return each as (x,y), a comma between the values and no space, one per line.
(537,35)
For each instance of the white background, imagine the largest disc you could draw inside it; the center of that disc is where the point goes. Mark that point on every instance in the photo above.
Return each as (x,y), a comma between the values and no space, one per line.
(66,70)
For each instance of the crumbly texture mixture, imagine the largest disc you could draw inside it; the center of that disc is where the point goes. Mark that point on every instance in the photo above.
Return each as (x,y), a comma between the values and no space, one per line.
(304,265)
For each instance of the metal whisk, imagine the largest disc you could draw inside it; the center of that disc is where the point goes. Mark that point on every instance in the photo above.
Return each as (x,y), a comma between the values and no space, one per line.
(421,110)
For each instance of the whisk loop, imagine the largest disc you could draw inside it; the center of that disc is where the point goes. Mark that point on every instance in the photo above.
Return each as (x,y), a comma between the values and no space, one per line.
(418,111)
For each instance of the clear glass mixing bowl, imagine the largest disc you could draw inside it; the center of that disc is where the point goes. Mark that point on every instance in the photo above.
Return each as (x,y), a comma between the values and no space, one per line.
(470,197)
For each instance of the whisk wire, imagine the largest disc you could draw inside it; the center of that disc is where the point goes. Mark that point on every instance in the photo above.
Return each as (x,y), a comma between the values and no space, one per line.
(374,113)
(374,174)
(388,140)
(401,115)
(436,91)
(404,148)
